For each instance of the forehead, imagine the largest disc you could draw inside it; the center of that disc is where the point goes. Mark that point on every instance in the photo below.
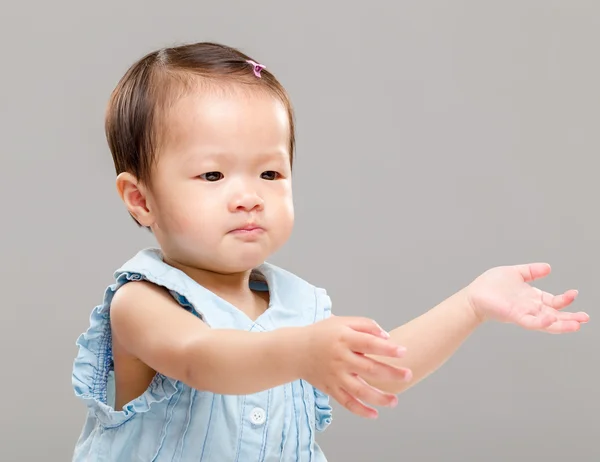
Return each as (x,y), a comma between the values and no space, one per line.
(228,121)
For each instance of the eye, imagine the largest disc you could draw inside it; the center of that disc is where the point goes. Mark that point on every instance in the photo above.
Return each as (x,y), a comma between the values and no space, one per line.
(212,176)
(270,175)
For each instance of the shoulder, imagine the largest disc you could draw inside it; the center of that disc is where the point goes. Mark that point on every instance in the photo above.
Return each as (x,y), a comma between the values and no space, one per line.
(143,304)
(136,295)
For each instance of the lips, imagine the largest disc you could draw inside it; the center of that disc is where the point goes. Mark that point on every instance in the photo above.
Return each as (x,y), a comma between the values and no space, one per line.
(249,227)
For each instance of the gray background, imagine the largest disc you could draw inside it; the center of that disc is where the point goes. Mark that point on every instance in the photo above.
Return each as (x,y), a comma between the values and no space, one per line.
(436,140)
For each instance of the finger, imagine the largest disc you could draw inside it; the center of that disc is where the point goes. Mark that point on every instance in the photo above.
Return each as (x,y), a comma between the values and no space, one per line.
(558,302)
(580,316)
(373,370)
(540,321)
(369,344)
(354,405)
(365,325)
(359,389)
(563,327)
(532,271)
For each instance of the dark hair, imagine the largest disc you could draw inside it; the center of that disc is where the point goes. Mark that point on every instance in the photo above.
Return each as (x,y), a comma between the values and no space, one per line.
(137,105)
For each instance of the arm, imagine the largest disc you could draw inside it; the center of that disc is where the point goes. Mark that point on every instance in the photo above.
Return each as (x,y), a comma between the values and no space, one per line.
(151,326)
(503,294)
(431,339)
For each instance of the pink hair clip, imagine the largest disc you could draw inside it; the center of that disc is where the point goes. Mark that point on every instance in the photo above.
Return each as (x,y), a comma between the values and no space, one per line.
(256,67)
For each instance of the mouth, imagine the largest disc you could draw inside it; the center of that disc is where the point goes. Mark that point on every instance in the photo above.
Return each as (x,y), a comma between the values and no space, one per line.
(248,229)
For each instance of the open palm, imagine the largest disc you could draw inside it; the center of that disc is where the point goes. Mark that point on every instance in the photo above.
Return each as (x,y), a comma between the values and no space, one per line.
(504,294)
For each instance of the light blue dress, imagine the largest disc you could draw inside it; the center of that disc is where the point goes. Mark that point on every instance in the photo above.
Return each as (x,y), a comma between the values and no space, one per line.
(174,422)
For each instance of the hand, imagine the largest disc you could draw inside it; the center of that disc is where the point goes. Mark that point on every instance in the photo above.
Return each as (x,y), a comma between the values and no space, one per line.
(504,294)
(336,364)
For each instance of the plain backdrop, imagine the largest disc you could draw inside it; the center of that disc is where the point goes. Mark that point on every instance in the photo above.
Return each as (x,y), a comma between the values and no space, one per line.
(436,139)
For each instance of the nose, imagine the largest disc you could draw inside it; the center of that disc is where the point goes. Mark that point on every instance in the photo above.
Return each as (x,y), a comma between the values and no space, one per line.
(246,201)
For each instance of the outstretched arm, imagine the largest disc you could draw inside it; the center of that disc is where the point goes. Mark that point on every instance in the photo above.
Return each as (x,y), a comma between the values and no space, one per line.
(431,339)
(502,294)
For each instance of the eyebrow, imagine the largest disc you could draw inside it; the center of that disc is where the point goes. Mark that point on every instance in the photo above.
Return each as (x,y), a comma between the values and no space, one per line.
(215,155)
(273,155)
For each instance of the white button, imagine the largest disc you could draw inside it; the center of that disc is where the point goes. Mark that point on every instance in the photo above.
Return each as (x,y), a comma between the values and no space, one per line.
(258,416)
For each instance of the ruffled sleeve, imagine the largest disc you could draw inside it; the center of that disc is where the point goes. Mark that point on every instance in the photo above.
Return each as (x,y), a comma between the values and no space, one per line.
(323,410)
(93,365)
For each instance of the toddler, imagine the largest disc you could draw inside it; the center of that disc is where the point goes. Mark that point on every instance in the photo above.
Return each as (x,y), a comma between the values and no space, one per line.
(201,350)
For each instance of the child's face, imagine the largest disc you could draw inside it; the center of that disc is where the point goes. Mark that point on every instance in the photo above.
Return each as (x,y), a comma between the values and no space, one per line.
(224,165)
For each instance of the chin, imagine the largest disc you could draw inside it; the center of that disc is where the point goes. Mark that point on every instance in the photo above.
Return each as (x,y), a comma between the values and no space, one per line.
(246,264)
(228,260)
(240,263)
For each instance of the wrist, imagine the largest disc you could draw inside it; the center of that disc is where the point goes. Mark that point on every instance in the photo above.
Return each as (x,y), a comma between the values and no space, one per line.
(471,307)
(292,350)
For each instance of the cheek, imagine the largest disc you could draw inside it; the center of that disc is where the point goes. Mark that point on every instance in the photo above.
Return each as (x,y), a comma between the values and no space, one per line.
(193,216)
(289,199)
(171,220)
(288,208)
(285,210)
(172,213)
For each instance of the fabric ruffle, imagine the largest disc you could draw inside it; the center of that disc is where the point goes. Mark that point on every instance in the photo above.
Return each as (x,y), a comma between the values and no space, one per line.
(94,363)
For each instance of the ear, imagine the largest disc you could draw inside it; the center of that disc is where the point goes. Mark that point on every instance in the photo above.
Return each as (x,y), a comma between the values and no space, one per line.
(134,195)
